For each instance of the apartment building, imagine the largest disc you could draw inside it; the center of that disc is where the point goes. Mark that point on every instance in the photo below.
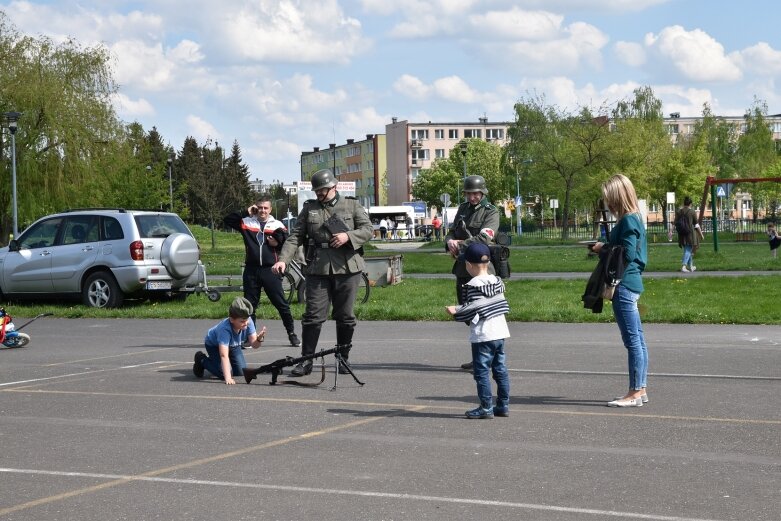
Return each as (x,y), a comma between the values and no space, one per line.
(414,146)
(362,162)
(678,126)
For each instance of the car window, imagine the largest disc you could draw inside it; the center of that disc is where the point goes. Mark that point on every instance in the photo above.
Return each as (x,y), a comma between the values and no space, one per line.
(79,229)
(112,230)
(40,235)
(161,226)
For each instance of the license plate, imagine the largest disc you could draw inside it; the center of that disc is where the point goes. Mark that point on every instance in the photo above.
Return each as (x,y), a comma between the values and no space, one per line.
(158,284)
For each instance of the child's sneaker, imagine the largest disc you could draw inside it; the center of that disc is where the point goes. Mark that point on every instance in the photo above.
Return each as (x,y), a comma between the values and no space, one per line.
(198,365)
(480,414)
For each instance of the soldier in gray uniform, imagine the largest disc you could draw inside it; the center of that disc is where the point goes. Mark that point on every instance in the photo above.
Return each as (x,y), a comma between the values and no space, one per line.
(472,216)
(331,228)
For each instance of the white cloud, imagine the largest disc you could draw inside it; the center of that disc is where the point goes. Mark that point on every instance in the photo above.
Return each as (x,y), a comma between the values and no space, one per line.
(132,109)
(760,59)
(411,87)
(517,24)
(630,53)
(201,129)
(694,54)
(186,51)
(364,121)
(292,31)
(453,88)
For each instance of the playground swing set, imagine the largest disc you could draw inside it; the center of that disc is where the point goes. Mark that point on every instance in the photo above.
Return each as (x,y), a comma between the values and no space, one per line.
(710,186)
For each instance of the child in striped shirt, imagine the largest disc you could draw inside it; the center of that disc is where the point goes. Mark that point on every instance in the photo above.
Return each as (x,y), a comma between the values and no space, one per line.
(484,310)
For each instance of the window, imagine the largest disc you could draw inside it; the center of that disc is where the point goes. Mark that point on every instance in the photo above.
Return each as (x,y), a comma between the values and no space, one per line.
(440,152)
(420,154)
(473,132)
(354,151)
(420,134)
(439,133)
(452,133)
(42,235)
(494,133)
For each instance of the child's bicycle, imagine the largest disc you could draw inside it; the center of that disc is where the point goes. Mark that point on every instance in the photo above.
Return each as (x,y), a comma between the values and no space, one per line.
(10,337)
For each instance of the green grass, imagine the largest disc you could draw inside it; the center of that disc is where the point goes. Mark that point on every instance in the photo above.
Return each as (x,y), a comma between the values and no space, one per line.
(702,300)
(748,299)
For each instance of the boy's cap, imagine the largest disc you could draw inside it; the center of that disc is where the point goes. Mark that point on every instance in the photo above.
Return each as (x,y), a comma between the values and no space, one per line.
(240,308)
(476,253)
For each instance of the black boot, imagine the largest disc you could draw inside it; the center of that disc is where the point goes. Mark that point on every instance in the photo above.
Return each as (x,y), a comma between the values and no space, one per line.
(344,338)
(302,369)
(344,355)
(310,335)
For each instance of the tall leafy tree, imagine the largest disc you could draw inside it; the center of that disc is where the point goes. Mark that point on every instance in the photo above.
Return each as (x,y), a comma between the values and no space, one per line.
(64,92)
(446,174)
(568,149)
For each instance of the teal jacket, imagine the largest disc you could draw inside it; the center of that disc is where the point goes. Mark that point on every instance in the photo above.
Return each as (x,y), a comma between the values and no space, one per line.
(629,232)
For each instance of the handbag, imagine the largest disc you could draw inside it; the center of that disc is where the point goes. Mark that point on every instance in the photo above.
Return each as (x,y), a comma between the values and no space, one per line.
(608,291)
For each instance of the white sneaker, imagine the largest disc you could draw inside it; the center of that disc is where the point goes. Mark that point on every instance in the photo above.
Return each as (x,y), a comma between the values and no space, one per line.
(629,402)
(684,269)
(693,268)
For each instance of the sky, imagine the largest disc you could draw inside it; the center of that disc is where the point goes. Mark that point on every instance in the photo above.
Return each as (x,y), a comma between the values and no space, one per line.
(283,76)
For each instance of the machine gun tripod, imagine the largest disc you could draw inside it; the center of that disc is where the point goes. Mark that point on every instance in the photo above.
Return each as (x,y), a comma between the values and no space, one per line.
(275,368)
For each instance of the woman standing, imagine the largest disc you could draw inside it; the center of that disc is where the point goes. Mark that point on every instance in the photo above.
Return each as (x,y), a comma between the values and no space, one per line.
(619,195)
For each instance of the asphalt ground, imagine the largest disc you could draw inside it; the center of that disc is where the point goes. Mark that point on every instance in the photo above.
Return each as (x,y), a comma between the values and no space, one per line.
(104,420)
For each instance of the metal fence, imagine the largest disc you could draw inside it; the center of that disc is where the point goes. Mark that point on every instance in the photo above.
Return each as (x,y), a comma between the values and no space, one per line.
(743,229)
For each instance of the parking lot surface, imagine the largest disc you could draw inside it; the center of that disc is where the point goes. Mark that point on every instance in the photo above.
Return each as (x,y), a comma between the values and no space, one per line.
(104,420)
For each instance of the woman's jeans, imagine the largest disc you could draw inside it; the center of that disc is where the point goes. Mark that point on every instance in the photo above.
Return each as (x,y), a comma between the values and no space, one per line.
(687,260)
(488,357)
(628,320)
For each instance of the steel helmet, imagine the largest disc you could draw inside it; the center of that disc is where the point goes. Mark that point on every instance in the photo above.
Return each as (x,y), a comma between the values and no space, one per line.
(475,183)
(323,179)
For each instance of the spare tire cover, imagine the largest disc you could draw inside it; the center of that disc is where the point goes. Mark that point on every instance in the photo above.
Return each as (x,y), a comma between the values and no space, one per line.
(179,255)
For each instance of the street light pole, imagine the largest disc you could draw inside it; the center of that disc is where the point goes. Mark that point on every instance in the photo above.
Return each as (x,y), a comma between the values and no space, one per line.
(464,147)
(170,162)
(12,118)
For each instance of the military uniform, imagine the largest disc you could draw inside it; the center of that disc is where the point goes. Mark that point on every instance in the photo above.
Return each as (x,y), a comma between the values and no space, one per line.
(332,274)
(468,222)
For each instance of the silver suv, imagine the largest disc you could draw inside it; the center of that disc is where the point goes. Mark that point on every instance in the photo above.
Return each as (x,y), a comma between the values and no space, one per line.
(103,255)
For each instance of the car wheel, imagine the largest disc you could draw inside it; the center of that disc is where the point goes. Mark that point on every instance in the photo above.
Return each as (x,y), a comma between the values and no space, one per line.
(102,291)
(179,254)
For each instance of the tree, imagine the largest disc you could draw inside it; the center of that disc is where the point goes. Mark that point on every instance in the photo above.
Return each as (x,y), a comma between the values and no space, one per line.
(64,92)
(568,150)
(446,174)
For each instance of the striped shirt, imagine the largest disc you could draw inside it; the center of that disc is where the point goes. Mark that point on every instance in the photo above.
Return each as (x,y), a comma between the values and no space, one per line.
(485,309)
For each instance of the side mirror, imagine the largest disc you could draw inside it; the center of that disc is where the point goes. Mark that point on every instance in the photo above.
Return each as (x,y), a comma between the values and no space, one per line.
(13,245)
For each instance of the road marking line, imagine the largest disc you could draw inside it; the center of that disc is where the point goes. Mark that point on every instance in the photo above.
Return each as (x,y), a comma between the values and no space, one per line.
(665,375)
(406,406)
(47,378)
(173,468)
(118,479)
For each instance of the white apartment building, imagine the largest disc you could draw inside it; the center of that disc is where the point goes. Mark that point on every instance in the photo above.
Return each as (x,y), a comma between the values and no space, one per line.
(413,146)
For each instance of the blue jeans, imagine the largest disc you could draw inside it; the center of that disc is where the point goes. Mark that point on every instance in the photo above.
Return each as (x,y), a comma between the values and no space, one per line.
(687,260)
(214,366)
(628,320)
(489,356)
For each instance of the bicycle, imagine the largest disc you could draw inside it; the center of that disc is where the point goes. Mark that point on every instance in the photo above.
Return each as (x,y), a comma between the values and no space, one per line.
(294,284)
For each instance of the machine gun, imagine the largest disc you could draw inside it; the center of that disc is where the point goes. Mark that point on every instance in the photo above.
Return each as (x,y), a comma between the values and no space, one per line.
(275,368)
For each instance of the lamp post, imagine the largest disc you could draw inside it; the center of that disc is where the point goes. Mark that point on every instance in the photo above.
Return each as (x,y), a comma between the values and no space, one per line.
(170,162)
(518,198)
(13,118)
(464,146)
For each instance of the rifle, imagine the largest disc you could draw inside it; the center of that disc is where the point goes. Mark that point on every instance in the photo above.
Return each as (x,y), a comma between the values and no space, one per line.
(275,368)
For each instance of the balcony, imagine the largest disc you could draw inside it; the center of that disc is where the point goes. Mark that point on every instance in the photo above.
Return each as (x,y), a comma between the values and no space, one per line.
(416,143)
